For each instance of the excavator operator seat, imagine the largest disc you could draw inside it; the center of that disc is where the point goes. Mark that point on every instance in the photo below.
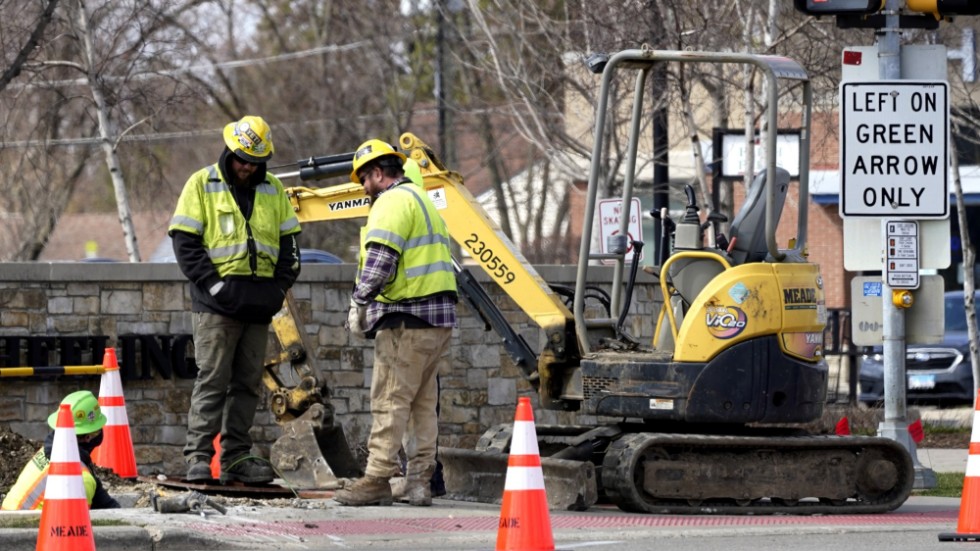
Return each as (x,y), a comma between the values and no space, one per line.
(749,226)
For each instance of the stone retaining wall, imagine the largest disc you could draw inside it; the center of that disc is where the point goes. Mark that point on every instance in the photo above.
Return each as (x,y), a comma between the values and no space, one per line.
(143,310)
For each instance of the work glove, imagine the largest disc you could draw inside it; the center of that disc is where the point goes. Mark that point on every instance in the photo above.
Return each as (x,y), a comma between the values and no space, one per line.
(356,323)
(216,288)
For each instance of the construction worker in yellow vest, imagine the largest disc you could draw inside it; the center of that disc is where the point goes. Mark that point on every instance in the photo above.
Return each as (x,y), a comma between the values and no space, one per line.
(405,299)
(28,492)
(234,236)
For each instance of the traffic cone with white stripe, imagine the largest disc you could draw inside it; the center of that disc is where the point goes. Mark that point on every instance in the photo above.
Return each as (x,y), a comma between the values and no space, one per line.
(65,521)
(116,451)
(524,522)
(968,527)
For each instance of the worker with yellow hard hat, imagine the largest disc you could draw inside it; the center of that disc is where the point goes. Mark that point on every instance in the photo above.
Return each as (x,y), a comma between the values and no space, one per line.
(234,236)
(405,299)
(28,492)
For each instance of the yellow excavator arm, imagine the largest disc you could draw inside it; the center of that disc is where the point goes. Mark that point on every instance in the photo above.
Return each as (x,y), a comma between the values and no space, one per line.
(313,450)
(476,233)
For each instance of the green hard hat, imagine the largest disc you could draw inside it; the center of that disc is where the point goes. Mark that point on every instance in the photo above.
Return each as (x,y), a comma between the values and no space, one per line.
(86,411)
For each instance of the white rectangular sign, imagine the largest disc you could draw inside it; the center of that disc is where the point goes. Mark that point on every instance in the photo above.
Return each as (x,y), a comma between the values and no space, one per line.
(610,218)
(894,149)
(902,254)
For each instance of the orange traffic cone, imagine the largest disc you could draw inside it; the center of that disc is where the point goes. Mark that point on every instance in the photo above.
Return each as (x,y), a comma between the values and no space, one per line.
(524,523)
(116,451)
(216,458)
(968,528)
(65,521)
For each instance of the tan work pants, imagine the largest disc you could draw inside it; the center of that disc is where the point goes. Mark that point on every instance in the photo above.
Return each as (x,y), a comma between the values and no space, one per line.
(403,389)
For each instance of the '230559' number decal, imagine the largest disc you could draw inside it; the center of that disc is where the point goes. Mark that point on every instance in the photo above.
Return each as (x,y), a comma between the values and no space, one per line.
(492,262)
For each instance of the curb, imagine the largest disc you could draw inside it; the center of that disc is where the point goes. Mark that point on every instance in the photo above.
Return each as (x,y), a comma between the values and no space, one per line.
(122,538)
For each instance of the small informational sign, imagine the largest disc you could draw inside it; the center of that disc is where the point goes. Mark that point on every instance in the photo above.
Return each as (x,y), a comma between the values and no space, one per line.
(923,321)
(611,217)
(902,254)
(871,289)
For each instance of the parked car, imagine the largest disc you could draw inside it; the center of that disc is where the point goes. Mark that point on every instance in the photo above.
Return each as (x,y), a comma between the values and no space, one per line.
(939,374)
(317,256)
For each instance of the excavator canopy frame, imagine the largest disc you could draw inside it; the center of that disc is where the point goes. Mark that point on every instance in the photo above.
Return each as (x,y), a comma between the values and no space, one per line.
(775,68)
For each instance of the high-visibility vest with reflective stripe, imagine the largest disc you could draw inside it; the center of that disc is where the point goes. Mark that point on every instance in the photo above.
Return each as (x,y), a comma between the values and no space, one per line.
(206,207)
(28,492)
(404,219)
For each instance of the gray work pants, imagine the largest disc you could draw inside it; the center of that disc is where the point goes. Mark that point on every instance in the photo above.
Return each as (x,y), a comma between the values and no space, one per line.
(229,356)
(403,389)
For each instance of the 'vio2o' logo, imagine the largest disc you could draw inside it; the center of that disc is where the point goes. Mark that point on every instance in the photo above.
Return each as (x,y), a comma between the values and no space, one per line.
(725,322)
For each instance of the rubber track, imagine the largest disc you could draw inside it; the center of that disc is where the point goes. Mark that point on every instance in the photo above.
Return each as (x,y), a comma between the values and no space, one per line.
(618,474)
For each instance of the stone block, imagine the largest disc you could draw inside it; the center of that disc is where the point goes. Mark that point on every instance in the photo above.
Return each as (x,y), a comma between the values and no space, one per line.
(14,319)
(69,324)
(118,301)
(352,379)
(75,289)
(482,355)
(141,327)
(476,378)
(173,435)
(144,413)
(151,454)
(60,305)
(11,409)
(502,392)
(165,297)
(458,414)
(181,323)
(85,306)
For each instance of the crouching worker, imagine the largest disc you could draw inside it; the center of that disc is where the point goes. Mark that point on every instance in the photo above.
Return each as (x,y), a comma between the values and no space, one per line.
(28,492)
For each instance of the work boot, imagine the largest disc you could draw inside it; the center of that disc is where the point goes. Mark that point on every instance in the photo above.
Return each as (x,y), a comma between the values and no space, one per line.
(249,471)
(199,470)
(370,490)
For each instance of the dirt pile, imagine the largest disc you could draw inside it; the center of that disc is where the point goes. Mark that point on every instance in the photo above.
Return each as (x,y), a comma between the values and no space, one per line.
(15,451)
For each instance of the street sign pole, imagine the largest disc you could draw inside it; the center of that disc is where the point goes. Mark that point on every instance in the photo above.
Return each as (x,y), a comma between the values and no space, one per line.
(895,424)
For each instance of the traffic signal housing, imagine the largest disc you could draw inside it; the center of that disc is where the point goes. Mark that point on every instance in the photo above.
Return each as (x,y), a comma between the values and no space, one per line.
(944,8)
(843,7)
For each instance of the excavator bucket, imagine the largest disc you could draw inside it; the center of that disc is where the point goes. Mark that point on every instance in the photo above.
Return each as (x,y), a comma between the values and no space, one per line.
(479,476)
(312,454)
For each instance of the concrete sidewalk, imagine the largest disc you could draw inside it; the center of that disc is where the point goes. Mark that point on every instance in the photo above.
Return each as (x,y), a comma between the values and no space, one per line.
(322,524)
(943,460)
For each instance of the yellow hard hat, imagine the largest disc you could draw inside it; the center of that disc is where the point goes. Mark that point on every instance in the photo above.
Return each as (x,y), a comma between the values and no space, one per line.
(369,151)
(250,138)
(86,411)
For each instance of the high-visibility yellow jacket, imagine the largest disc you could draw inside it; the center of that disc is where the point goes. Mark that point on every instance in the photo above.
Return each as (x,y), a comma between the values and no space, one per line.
(28,492)
(208,209)
(404,219)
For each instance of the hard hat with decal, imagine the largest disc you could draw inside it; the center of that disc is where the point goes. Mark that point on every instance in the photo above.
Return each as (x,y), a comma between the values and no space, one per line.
(369,151)
(85,410)
(250,139)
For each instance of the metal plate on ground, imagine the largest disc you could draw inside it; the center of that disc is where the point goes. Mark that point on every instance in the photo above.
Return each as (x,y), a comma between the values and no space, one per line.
(238,489)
